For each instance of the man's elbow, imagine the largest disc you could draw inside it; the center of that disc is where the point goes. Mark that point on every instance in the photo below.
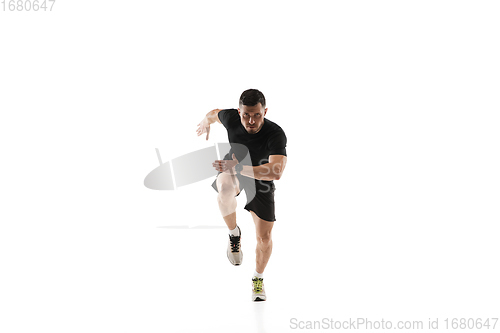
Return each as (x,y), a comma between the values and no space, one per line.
(276,170)
(277,176)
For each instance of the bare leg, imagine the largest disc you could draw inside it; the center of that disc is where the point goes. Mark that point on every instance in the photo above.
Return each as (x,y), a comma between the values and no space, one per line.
(228,187)
(264,242)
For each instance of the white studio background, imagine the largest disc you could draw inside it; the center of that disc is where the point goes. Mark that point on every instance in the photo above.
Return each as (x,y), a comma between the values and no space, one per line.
(388,207)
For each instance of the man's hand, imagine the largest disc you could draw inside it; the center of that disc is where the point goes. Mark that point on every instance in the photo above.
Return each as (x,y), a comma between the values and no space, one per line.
(210,118)
(226,166)
(203,127)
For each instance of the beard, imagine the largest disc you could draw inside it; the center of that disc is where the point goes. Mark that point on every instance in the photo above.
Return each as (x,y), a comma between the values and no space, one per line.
(253,130)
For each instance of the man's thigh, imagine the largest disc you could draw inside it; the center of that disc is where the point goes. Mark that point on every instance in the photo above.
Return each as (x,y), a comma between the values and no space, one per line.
(228,180)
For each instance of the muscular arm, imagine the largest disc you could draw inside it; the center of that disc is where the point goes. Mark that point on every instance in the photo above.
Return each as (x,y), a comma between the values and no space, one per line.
(269,171)
(213,116)
(210,118)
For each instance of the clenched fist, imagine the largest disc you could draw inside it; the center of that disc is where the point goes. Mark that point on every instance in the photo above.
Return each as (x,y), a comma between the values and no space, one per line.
(226,166)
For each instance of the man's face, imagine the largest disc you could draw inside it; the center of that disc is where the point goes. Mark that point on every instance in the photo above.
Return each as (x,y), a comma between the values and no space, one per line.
(252,117)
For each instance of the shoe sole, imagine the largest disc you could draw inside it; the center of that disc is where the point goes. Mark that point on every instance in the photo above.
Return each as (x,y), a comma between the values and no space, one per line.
(258,299)
(227,254)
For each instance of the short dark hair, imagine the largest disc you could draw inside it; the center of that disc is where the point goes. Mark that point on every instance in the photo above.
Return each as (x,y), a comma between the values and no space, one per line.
(252,97)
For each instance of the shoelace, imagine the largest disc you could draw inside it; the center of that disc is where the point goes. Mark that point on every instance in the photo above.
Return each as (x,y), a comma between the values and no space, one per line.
(235,243)
(257,284)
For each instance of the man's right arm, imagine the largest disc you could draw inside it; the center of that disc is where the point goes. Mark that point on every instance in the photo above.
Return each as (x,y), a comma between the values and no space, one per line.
(210,118)
(213,116)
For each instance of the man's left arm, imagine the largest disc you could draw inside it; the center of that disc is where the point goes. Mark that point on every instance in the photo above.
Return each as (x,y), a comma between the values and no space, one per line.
(269,171)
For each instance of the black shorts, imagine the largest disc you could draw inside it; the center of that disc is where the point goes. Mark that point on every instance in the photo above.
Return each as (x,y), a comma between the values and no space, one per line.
(260,197)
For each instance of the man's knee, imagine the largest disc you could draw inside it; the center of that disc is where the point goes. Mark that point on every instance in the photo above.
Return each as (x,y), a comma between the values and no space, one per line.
(227,191)
(227,186)
(264,239)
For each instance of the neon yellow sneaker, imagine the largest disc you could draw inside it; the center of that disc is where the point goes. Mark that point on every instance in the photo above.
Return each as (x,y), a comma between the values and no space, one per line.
(258,291)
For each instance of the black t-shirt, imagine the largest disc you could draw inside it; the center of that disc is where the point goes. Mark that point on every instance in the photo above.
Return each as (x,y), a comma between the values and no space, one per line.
(270,140)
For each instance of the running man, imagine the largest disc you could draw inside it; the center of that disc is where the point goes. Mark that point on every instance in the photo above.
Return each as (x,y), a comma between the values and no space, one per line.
(265,141)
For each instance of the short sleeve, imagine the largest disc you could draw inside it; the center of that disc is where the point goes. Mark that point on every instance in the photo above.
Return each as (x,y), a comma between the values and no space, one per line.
(228,117)
(277,144)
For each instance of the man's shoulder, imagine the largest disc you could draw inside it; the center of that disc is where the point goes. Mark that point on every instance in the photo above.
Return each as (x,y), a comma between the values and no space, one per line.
(228,112)
(274,128)
(228,116)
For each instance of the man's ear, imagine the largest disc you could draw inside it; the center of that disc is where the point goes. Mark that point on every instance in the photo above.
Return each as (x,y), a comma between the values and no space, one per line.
(265,111)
